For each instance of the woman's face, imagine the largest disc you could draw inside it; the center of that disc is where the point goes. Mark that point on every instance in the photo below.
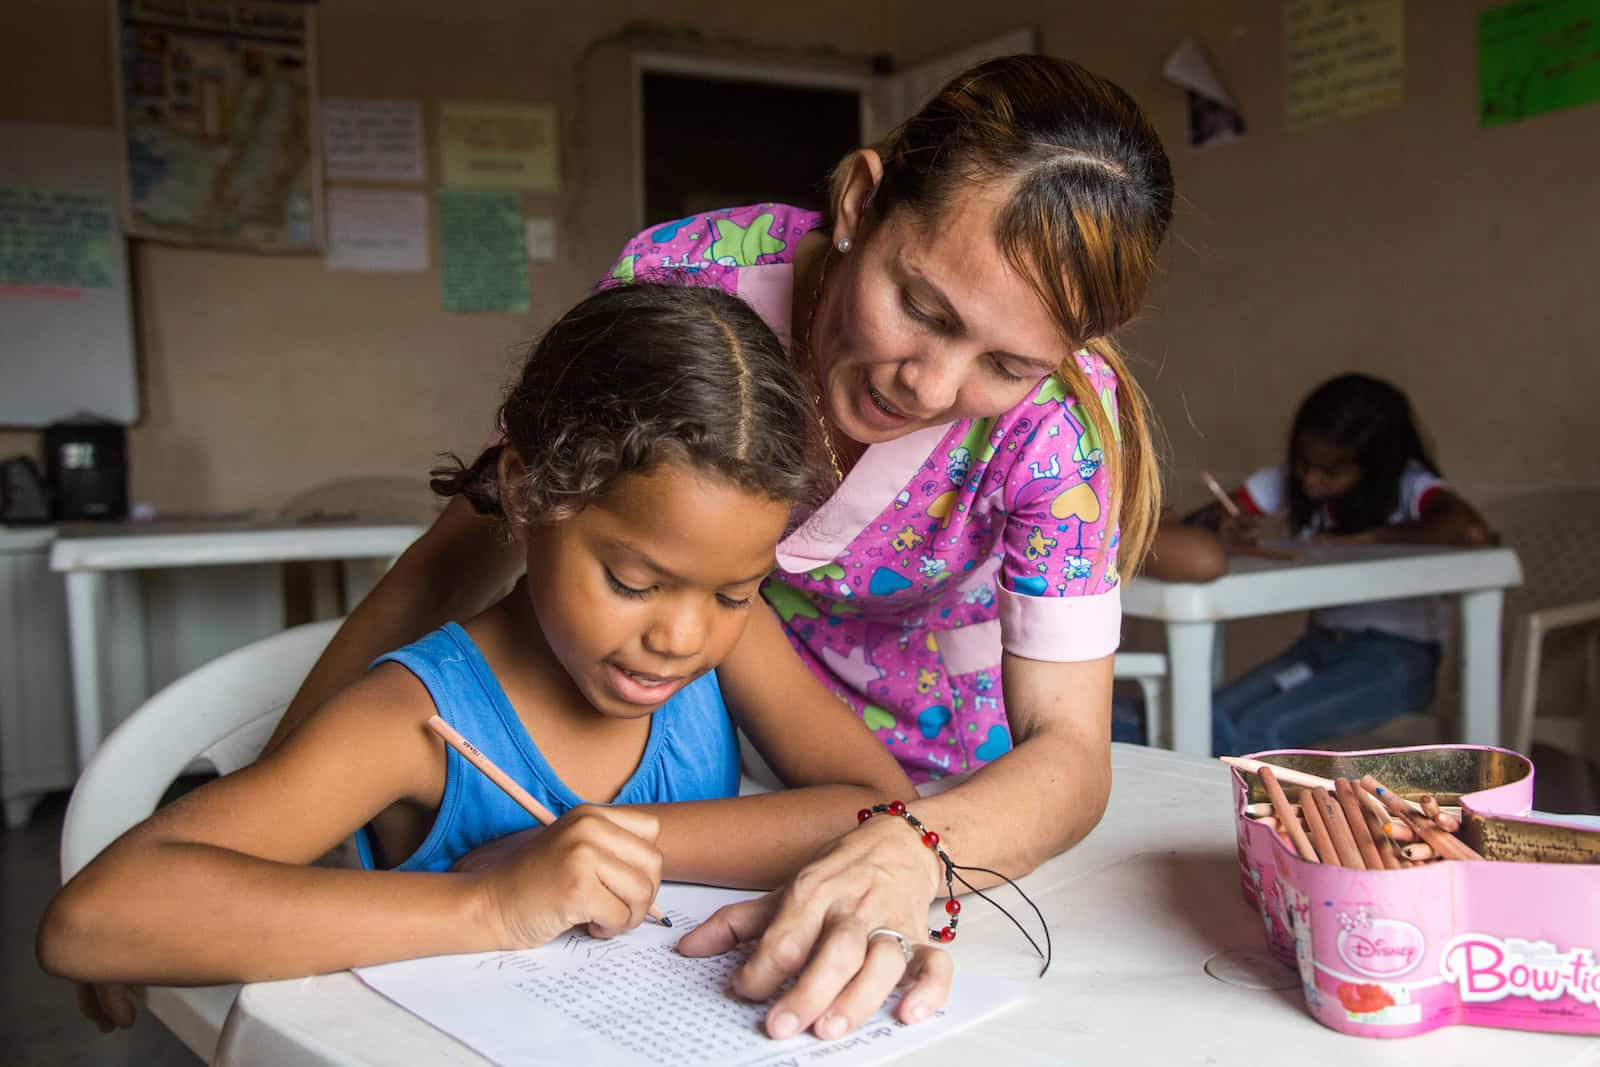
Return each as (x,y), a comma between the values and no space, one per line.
(922,325)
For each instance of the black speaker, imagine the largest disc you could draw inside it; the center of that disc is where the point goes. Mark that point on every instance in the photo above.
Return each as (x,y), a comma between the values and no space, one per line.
(86,462)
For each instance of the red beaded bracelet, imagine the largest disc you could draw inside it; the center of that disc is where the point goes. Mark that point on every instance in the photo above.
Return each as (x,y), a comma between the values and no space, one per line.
(952,906)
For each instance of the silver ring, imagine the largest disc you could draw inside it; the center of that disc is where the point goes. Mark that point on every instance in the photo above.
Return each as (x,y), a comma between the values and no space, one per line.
(906,948)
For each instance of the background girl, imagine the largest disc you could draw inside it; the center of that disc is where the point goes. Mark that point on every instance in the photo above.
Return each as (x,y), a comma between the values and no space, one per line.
(951,312)
(655,447)
(1357,472)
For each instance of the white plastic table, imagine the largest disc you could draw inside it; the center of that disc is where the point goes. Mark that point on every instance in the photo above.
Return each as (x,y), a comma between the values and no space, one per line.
(1321,577)
(1136,911)
(90,554)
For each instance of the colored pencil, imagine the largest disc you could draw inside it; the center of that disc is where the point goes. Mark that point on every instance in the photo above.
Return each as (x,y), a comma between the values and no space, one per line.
(1388,848)
(1346,796)
(1317,828)
(1289,776)
(1220,493)
(1344,839)
(1286,816)
(1444,845)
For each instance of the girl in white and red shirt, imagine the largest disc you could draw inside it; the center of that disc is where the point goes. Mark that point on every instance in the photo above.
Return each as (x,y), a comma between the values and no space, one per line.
(1357,472)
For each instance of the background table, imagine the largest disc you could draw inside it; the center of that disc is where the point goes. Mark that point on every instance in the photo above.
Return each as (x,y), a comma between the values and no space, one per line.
(1135,911)
(91,555)
(1322,577)
(36,754)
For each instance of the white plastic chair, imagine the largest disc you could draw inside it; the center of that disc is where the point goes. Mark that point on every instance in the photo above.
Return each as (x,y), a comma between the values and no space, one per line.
(217,717)
(1554,532)
(372,497)
(1149,669)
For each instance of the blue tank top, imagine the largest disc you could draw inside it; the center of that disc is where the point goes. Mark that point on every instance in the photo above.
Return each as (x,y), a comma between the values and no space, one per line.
(691,753)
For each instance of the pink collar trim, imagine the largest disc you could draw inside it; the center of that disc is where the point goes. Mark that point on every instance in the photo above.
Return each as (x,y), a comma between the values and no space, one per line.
(881,472)
(769,290)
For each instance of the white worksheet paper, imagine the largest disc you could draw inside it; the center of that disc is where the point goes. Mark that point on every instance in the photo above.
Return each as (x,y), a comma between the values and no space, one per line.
(635,1000)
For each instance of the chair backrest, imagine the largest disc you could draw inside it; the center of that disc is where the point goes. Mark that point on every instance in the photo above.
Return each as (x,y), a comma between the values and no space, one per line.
(219,715)
(372,497)
(1554,532)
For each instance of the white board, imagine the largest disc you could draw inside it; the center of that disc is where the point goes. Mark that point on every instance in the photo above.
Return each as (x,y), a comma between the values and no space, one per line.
(66,349)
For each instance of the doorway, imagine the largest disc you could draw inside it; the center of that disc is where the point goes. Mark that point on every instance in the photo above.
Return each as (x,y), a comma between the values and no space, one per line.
(718,141)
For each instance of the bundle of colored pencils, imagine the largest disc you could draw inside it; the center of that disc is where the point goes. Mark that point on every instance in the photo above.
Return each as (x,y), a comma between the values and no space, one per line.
(1354,824)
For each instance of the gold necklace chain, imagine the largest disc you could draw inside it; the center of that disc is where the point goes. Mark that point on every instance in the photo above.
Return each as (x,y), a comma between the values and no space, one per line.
(816,374)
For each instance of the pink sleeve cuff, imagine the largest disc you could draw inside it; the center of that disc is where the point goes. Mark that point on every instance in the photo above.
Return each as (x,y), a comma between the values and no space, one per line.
(1061,629)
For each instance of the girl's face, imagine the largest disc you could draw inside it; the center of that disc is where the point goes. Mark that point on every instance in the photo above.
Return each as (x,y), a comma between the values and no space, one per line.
(647,589)
(919,326)
(1324,470)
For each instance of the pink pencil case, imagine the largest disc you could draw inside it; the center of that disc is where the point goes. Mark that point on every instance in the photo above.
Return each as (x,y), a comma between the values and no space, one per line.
(1508,943)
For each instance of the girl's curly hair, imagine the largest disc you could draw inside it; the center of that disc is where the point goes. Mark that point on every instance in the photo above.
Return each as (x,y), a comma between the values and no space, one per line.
(637,375)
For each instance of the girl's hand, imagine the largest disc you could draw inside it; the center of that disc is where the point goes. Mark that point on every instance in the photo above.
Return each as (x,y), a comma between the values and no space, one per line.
(1239,531)
(109,1005)
(878,875)
(596,867)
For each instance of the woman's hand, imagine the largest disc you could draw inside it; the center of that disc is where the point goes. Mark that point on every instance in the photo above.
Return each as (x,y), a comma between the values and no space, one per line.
(877,876)
(596,867)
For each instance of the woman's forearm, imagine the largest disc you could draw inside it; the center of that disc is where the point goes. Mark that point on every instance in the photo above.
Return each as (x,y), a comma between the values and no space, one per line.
(1050,790)
(1040,799)
(274,920)
(759,841)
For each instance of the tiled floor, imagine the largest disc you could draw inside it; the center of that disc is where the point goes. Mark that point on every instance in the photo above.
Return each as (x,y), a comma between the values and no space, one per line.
(39,1021)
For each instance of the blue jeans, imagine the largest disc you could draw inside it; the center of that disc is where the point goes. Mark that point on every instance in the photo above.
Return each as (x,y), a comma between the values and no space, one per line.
(1327,683)
(1127,720)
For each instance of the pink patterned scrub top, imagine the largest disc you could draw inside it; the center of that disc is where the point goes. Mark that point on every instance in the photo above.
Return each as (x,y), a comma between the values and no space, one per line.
(942,548)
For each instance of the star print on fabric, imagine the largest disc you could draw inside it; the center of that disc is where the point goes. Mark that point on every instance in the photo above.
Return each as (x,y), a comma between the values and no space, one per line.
(788,602)
(741,246)
(853,668)
(623,271)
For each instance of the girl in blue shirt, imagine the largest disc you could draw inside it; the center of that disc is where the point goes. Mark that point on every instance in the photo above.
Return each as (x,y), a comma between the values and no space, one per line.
(651,457)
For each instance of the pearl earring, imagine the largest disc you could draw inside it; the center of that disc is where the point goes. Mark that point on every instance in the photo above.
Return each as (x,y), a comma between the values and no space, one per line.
(842,244)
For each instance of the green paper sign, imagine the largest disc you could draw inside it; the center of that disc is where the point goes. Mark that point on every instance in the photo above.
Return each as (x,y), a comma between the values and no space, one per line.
(482,262)
(1536,56)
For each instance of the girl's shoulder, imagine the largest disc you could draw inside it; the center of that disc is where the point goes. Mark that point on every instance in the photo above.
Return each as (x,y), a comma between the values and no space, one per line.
(756,235)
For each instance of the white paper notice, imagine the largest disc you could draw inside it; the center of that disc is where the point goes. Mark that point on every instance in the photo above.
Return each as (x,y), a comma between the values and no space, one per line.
(377,230)
(372,140)
(541,238)
(635,1001)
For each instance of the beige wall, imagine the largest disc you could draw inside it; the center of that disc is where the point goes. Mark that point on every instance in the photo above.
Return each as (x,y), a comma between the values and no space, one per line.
(1454,260)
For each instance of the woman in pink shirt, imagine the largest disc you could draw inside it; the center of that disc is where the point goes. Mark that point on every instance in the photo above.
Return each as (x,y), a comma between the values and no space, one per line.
(960,589)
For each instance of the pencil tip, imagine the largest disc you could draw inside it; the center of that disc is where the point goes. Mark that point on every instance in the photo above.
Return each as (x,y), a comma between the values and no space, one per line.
(666,921)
